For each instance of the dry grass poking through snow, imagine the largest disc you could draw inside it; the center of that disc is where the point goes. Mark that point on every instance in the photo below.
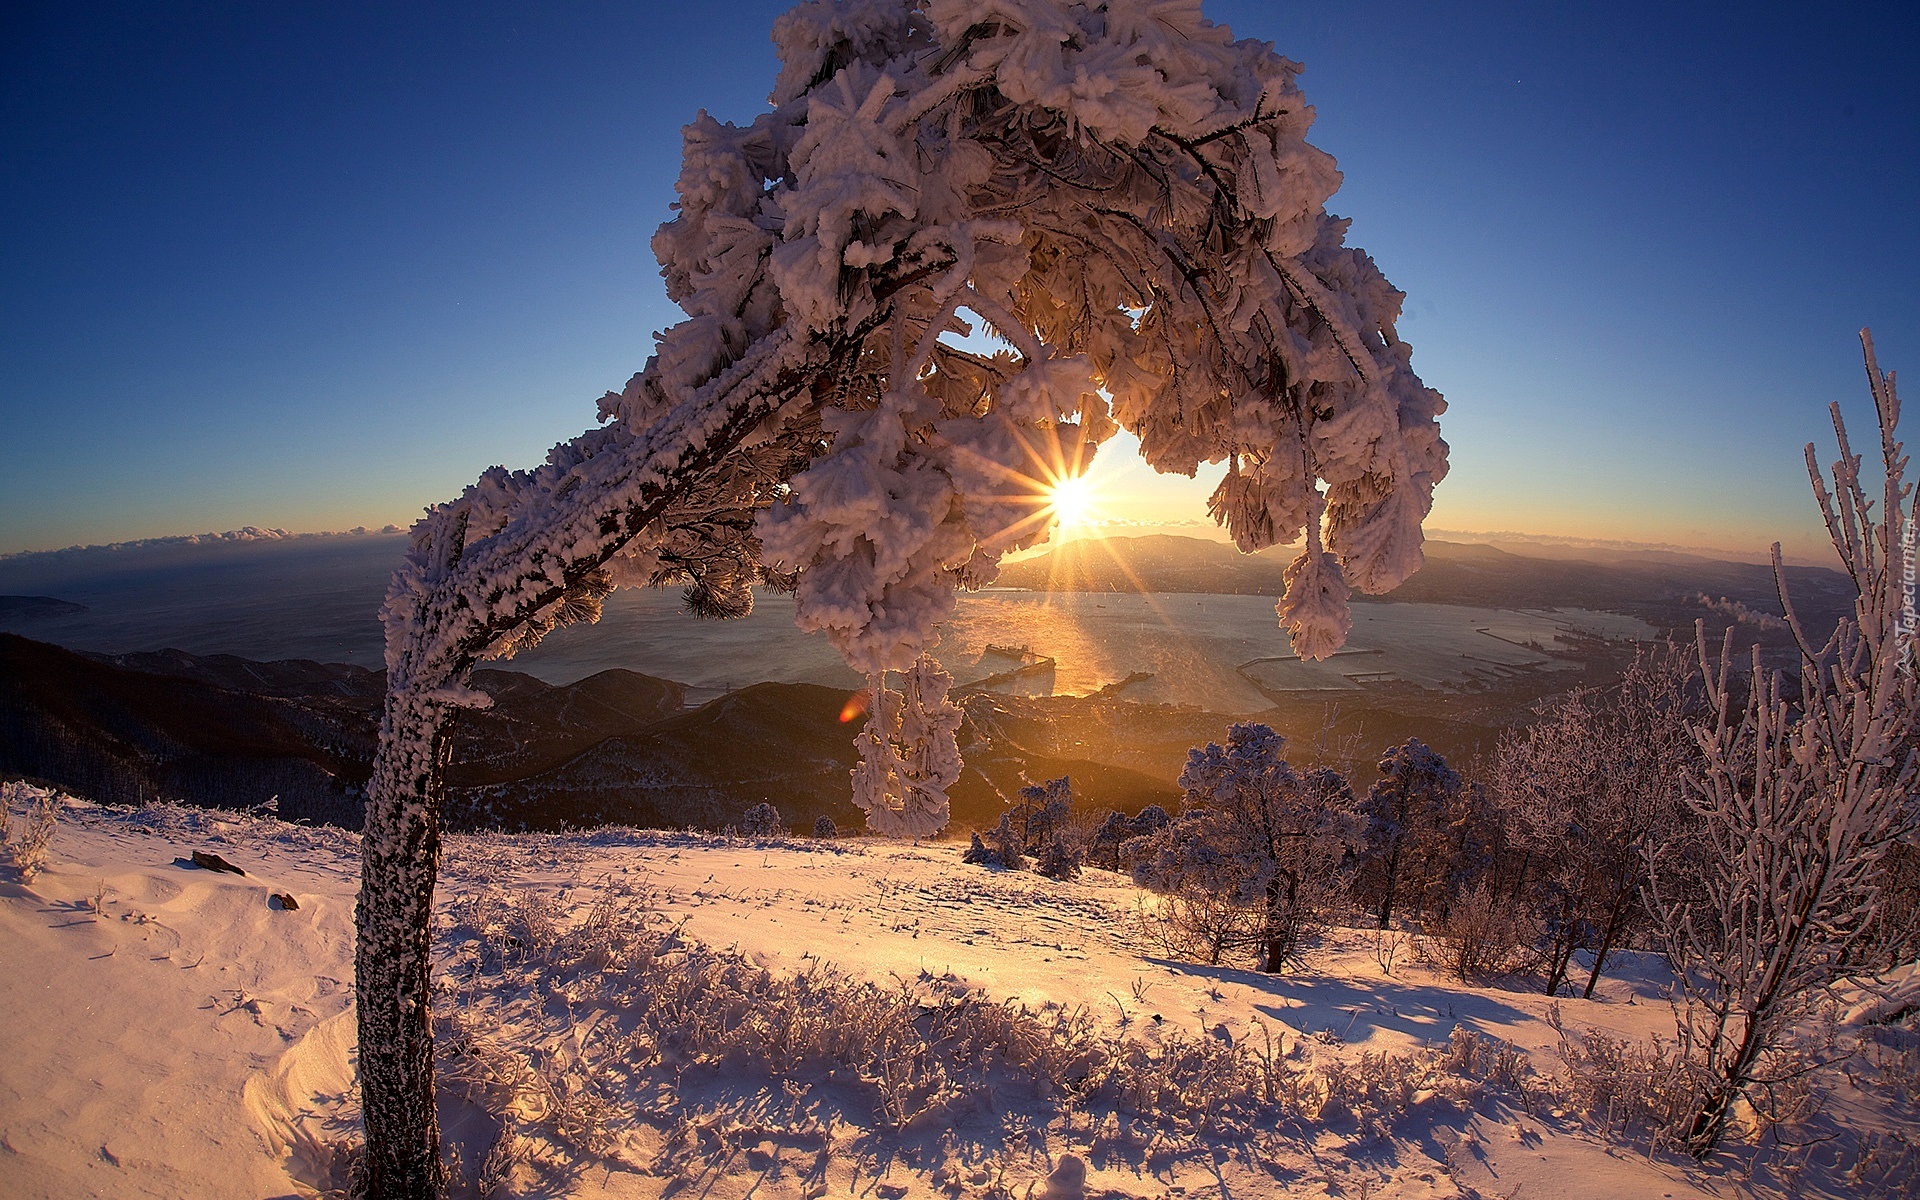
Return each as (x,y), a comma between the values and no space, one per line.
(602,1039)
(609,1036)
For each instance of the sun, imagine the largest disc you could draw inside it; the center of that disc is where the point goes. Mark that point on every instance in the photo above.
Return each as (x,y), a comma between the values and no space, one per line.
(1074,502)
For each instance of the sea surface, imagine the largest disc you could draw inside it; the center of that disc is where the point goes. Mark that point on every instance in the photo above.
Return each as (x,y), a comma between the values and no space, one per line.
(317,598)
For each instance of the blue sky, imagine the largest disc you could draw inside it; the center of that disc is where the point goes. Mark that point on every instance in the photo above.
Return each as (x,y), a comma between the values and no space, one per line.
(319,265)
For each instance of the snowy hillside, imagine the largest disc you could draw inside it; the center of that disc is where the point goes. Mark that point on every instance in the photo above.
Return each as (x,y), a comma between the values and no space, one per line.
(644,1014)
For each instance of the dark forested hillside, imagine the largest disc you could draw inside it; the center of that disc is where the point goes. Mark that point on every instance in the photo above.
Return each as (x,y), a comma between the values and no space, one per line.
(616,747)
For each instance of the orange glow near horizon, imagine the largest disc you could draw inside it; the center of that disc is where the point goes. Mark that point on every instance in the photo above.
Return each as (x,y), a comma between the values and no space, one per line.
(1081,496)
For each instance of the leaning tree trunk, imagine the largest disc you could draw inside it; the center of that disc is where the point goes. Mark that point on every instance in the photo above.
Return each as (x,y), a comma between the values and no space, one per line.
(1709,1123)
(1616,918)
(458,597)
(1565,940)
(399,858)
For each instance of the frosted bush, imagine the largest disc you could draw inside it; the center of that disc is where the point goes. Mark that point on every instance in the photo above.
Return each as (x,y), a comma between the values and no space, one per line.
(1376,1089)
(1060,860)
(39,809)
(1480,937)
(1652,1089)
(1649,1088)
(1471,1054)
(762,820)
(823,827)
(1199,924)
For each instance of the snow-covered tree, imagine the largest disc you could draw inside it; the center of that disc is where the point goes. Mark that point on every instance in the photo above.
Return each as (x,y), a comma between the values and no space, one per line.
(1148,821)
(1589,786)
(1034,826)
(1104,847)
(1419,840)
(1042,812)
(1121,192)
(1254,831)
(1061,858)
(1800,795)
(762,820)
(1108,838)
(1003,846)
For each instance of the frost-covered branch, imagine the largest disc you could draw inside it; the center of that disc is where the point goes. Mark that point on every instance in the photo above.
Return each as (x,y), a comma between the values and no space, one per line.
(1800,795)
(1124,192)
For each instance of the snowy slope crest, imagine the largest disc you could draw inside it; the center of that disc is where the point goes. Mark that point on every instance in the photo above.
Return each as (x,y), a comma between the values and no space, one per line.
(628,1013)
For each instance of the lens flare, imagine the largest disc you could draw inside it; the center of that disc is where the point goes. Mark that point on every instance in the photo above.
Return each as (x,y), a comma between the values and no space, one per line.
(855,707)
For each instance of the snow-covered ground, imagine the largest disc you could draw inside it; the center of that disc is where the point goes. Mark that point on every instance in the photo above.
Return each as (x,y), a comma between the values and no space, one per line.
(642,1014)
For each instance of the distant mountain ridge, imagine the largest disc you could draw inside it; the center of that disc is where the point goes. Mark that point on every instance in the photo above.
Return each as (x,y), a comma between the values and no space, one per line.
(247,533)
(31,607)
(618,747)
(1660,587)
(223,731)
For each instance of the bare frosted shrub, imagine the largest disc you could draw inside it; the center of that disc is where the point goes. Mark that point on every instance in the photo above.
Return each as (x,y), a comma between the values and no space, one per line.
(1388,945)
(1894,1056)
(1800,794)
(824,827)
(1480,937)
(1650,1088)
(1887,1164)
(496,1169)
(27,845)
(1198,924)
(1787,1093)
